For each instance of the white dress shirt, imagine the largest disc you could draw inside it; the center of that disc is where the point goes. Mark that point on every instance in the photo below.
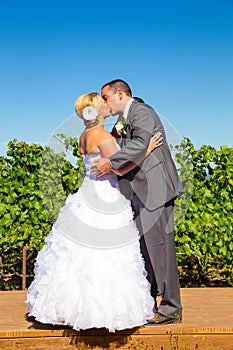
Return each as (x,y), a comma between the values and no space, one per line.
(126,110)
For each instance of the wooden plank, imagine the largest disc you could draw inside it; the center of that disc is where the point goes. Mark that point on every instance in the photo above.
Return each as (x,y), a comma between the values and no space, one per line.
(207,324)
(199,342)
(204,309)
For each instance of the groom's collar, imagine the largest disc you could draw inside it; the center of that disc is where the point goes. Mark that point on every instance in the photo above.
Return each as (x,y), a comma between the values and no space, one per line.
(127,107)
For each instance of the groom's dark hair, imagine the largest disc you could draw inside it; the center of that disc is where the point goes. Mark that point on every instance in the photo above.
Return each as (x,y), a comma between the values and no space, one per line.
(119,84)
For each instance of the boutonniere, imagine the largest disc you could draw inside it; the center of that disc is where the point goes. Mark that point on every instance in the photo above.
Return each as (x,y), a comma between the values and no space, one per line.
(121,127)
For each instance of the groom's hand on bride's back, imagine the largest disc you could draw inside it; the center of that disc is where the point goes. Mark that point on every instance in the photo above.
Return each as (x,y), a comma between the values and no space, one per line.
(101,167)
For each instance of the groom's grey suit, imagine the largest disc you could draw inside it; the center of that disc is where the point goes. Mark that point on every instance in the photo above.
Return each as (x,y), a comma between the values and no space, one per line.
(155,184)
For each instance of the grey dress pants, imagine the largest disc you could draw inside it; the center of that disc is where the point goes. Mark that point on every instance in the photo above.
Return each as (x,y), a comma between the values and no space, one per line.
(158,249)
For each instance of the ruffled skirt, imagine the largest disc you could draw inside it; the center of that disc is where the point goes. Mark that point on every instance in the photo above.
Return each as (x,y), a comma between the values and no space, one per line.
(85,285)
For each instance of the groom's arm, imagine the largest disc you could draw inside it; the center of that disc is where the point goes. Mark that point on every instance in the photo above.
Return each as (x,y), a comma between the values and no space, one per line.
(155,141)
(109,148)
(142,124)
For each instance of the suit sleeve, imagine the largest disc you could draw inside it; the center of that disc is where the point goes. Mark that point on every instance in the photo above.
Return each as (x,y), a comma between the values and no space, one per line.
(141,128)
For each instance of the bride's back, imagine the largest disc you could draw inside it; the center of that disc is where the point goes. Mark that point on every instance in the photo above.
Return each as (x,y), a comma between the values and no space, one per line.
(96,140)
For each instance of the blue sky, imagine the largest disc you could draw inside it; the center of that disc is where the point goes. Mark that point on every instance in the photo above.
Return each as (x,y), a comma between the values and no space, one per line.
(177,55)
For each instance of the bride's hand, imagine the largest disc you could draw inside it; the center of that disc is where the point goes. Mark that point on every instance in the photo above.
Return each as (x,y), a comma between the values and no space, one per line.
(155,141)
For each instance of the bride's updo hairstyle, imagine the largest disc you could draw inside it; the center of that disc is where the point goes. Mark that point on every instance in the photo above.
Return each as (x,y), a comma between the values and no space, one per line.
(93,100)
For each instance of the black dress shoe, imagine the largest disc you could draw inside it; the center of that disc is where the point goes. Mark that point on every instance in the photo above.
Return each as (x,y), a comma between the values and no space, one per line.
(162,319)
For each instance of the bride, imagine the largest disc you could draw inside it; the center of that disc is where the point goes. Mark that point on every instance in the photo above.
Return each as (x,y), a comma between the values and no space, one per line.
(90,272)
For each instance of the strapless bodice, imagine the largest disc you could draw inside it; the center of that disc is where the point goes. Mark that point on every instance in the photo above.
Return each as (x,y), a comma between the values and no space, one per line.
(88,160)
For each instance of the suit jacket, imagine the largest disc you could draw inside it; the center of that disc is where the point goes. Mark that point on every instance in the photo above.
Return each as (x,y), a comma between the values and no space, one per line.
(155,180)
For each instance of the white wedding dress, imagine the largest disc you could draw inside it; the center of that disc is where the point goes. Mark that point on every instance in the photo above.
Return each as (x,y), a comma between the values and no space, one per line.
(90,273)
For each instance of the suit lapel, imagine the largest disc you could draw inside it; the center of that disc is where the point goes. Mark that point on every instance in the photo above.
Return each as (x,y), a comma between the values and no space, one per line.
(128,131)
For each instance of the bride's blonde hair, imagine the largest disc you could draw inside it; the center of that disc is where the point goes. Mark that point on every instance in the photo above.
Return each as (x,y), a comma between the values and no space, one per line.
(92,99)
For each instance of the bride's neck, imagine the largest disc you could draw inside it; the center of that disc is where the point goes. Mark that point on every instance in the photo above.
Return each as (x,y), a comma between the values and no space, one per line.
(98,126)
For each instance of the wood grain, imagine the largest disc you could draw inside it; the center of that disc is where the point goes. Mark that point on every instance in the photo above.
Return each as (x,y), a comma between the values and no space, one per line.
(207,324)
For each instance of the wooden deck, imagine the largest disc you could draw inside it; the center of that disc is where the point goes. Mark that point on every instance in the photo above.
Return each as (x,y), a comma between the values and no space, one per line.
(207,325)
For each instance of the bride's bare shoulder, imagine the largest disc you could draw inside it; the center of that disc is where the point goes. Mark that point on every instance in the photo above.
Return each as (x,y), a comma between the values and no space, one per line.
(105,135)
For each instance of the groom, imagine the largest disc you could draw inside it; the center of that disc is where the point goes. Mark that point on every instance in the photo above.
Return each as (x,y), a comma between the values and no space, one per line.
(155,185)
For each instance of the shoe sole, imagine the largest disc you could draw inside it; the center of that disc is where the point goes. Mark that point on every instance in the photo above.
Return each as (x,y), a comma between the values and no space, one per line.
(163,322)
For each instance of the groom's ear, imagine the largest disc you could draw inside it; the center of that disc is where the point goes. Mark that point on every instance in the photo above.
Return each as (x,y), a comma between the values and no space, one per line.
(120,94)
